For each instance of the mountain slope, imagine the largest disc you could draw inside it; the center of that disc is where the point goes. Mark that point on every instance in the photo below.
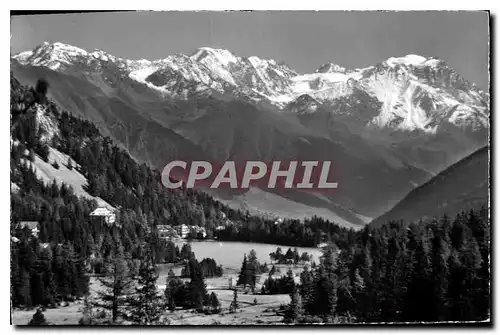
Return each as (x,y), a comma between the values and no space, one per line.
(387,127)
(462,186)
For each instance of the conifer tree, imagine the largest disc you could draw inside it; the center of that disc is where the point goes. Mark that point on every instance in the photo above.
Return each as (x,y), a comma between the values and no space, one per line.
(145,304)
(295,310)
(214,303)
(234,304)
(198,295)
(38,319)
(169,299)
(116,283)
(243,276)
(306,289)
(326,284)
(359,294)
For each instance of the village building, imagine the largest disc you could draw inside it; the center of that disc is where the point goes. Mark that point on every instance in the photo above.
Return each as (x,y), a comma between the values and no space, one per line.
(196,230)
(182,230)
(31,225)
(166,231)
(105,214)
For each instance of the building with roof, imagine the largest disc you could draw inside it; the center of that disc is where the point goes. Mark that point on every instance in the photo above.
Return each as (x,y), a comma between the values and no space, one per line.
(182,230)
(31,225)
(166,231)
(107,215)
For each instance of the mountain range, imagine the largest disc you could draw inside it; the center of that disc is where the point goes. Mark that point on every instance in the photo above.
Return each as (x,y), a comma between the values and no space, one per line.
(387,128)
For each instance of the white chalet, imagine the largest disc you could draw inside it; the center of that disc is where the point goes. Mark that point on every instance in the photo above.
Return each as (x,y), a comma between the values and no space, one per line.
(103,212)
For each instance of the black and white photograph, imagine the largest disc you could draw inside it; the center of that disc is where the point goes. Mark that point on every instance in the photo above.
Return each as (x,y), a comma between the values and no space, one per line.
(250,168)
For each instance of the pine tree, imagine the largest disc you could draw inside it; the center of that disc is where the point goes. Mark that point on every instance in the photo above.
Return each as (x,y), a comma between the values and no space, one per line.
(38,319)
(176,294)
(234,304)
(326,284)
(253,269)
(214,303)
(289,282)
(307,288)
(359,295)
(45,293)
(169,298)
(440,273)
(198,295)
(145,305)
(116,283)
(295,310)
(243,276)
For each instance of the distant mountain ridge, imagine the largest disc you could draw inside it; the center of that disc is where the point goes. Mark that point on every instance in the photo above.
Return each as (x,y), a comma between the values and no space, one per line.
(408,87)
(462,186)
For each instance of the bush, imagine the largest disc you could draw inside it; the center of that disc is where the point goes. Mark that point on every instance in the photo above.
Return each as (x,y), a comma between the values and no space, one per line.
(55,165)
(310,319)
(38,319)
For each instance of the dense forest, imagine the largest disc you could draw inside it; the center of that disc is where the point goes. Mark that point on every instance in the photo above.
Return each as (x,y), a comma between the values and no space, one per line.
(66,233)
(435,271)
(400,272)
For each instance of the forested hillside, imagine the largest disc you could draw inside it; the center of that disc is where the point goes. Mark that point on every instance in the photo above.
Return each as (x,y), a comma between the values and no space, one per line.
(69,245)
(437,271)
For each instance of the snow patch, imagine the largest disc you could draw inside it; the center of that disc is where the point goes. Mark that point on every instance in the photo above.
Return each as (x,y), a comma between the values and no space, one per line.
(47,173)
(406,60)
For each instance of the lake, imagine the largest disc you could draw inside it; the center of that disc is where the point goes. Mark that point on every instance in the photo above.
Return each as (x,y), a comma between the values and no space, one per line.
(230,254)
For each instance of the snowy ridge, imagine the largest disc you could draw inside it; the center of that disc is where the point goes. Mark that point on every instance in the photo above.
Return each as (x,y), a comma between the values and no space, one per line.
(414,92)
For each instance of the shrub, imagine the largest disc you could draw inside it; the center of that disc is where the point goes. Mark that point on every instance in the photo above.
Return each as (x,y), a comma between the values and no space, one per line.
(43,151)
(38,319)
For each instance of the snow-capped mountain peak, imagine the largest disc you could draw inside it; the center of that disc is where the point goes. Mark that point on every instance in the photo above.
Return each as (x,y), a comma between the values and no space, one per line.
(222,56)
(51,55)
(405,93)
(415,60)
(406,60)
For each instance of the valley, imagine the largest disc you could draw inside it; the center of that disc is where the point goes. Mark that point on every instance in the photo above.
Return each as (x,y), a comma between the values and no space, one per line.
(386,127)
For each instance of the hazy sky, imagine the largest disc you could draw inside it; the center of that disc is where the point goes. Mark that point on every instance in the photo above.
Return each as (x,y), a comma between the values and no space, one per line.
(304,40)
